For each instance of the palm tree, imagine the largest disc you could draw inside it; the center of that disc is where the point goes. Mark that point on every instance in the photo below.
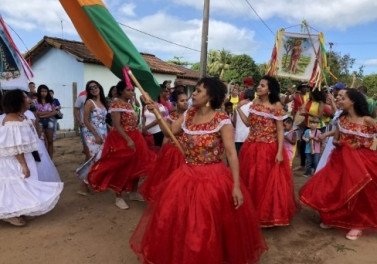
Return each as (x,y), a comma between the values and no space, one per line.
(218,62)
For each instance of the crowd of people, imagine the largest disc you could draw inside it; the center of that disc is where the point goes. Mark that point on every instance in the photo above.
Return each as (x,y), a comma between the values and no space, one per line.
(207,203)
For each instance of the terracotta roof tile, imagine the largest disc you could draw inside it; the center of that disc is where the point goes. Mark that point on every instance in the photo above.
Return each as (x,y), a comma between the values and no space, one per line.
(79,50)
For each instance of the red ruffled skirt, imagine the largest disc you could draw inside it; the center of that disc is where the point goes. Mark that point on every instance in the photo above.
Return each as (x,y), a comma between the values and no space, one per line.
(194,221)
(270,183)
(168,159)
(120,165)
(345,190)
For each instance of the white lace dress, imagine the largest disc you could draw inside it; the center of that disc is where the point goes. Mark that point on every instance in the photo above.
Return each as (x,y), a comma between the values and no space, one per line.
(20,195)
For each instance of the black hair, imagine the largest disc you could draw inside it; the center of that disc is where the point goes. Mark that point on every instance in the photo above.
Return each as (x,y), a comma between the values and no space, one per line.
(51,91)
(109,95)
(360,103)
(318,95)
(363,89)
(216,90)
(13,101)
(239,83)
(121,85)
(288,120)
(48,96)
(176,95)
(228,104)
(302,85)
(249,94)
(101,93)
(274,89)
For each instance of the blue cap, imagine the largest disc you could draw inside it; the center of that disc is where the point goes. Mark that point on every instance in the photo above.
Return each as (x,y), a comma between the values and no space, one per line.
(339,86)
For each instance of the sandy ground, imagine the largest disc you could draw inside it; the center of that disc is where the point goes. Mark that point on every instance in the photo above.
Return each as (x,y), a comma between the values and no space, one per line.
(92,230)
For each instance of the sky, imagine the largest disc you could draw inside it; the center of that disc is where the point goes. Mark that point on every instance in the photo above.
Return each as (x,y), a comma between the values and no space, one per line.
(239,26)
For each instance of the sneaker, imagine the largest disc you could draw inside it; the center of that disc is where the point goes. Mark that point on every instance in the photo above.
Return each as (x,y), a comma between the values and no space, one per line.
(323,226)
(306,176)
(121,204)
(135,196)
(298,168)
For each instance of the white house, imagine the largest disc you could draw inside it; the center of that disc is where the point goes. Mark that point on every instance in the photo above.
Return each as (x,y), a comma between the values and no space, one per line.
(66,66)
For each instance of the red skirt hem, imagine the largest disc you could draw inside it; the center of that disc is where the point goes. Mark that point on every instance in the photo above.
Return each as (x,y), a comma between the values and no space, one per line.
(269,183)
(348,189)
(193,220)
(119,165)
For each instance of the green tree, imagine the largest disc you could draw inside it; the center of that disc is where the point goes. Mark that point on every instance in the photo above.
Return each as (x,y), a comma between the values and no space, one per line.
(195,66)
(370,81)
(341,67)
(178,61)
(218,62)
(242,66)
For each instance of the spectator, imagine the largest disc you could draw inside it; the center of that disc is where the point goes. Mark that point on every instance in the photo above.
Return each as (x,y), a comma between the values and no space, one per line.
(46,113)
(248,84)
(78,113)
(57,107)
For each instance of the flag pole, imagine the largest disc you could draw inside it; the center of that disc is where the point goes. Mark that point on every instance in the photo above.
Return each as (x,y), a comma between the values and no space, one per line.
(155,111)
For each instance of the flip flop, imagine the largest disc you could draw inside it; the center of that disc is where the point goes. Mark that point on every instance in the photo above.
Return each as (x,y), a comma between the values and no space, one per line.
(354,234)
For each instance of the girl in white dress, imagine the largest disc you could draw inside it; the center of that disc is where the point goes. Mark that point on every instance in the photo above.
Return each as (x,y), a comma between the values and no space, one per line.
(45,167)
(21,193)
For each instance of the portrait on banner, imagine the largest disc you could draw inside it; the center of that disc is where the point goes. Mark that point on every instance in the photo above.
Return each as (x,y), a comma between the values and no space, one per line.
(296,55)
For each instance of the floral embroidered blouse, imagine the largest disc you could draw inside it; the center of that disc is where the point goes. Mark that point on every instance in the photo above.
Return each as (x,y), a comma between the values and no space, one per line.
(128,116)
(202,142)
(263,123)
(356,135)
(172,117)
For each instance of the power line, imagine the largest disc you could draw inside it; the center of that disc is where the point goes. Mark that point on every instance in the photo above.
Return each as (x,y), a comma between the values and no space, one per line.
(17,36)
(153,36)
(247,1)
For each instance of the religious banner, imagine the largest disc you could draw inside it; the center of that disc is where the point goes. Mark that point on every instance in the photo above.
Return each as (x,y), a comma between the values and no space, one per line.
(295,55)
(15,72)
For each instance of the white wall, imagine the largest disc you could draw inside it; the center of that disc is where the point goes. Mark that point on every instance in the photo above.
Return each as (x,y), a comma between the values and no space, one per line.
(58,70)
(162,77)
(100,74)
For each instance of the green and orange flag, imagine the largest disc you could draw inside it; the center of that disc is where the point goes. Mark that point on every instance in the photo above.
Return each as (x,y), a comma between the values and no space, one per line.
(103,36)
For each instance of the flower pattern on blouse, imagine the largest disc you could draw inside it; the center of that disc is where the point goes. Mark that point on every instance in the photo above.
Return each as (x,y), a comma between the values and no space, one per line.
(172,117)
(202,142)
(263,123)
(356,135)
(98,120)
(128,117)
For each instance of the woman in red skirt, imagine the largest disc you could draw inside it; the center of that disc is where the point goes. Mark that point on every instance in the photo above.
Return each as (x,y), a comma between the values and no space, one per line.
(169,157)
(344,192)
(203,214)
(264,164)
(125,156)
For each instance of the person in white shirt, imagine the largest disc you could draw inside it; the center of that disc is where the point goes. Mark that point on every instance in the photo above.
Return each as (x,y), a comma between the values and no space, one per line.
(150,125)
(241,130)
(78,113)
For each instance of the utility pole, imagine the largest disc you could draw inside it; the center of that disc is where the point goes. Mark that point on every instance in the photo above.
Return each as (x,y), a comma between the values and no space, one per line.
(331,44)
(204,46)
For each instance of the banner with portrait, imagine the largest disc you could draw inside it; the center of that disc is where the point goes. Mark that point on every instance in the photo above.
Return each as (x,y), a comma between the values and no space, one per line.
(295,55)
(15,72)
